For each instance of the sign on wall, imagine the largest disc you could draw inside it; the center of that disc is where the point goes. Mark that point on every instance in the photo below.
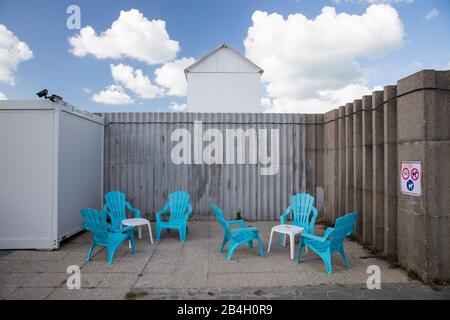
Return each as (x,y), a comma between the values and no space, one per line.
(411,178)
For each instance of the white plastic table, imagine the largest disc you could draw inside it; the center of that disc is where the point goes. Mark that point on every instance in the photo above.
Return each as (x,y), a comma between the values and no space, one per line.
(138,222)
(289,230)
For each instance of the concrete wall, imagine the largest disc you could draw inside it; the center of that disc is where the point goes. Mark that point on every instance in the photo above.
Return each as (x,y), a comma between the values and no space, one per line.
(364,145)
(423,133)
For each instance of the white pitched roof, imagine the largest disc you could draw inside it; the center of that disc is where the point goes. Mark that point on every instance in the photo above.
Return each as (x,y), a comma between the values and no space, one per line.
(250,65)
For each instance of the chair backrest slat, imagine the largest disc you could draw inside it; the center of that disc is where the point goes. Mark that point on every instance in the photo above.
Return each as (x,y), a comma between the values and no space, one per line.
(220,217)
(178,205)
(343,228)
(95,222)
(115,202)
(302,209)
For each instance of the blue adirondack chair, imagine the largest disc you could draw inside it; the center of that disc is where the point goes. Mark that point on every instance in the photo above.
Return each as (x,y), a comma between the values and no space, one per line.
(179,209)
(103,234)
(331,242)
(303,211)
(236,237)
(116,206)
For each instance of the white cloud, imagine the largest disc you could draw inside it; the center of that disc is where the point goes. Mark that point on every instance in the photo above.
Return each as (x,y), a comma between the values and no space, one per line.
(86,90)
(178,107)
(12,53)
(326,100)
(2,96)
(113,94)
(381,1)
(136,81)
(311,65)
(266,103)
(171,76)
(432,14)
(132,35)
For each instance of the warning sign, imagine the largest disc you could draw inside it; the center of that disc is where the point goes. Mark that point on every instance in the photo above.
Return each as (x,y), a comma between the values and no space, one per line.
(411,178)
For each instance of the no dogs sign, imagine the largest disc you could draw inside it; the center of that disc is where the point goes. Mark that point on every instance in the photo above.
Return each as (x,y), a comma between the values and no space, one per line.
(411,178)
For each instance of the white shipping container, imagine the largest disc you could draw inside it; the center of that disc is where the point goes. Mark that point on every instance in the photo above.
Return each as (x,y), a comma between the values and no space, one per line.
(51,166)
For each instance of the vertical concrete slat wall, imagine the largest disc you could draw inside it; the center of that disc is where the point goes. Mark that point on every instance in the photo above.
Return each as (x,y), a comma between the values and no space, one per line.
(378,171)
(357,165)
(331,165)
(364,144)
(391,168)
(367,164)
(349,189)
(342,194)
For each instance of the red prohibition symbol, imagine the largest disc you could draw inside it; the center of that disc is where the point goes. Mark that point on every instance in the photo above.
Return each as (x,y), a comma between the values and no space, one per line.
(405,173)
(415,174)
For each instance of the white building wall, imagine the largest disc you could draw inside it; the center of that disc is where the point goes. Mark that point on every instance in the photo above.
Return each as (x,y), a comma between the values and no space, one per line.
(224,82)
(224,92)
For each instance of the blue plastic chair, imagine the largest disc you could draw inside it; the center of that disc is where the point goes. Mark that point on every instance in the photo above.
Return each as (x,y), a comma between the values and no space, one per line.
(331,242)
(303,211)
(236,237)
(116,206)
(103,234)
(179,209)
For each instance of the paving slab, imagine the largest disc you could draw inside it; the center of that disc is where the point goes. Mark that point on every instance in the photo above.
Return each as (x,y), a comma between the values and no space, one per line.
(196,269)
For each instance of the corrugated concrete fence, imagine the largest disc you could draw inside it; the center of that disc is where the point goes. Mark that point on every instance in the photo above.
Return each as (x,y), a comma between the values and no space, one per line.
(348,158)
(365,143)
(138,161)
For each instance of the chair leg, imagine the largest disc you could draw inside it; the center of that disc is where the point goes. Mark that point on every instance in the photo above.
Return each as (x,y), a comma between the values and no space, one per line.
(261,250)
(91,250)
(231,249)
(300,247)
(224,242)
(250,244)
(344,257)
(182,234)
(111,250)
(326,257)
(158,232)
(140,232)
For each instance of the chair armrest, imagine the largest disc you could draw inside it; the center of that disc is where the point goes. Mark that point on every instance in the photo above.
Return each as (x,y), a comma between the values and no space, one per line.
(328,232)
(137,212)
(252,229)
(124,229)
(160,213)
(188,213)
(239,222)
(313,220)
(285,215)
(317,238)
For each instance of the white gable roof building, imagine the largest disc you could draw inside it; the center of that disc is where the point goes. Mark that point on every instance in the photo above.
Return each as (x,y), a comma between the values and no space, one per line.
(224,81)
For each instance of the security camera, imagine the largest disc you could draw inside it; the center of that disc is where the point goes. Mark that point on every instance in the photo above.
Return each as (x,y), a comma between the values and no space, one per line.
(42,93)
(55,98)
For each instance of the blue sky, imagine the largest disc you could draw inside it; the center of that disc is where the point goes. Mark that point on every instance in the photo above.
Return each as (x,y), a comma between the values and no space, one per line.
(200,26)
